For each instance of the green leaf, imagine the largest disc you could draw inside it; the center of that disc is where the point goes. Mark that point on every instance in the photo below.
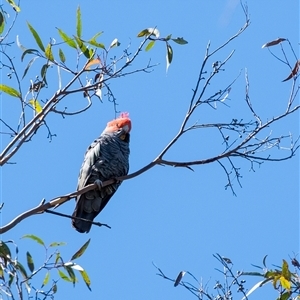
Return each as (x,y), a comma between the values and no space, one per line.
(35,238)
(93,41)
(44,72)
(14,6)
(35,105)
(48,53)
(30,262)
(46,279)
(169,55)
(180,41)
(67,39)
(29,51)
(71,274)
(150,45)
(149,31)
(9,90)
(56,244)
(4,250)
(61,56)
(57,258)
(83,48)
(28,66)
(286,284)
(22,270)
(81,250)
(285,270)
(36,37)
(64,276)
(285,296)
(78,23)
(86,279)
(1,22)
(168,37)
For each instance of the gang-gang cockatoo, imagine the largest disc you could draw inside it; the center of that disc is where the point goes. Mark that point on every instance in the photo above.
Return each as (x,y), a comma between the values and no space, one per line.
(106,158)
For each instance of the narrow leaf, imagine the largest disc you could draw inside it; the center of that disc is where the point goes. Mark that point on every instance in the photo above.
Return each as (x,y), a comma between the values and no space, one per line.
(46,279)
(286,284)
(86,279)
(93,41)
(48,53)
(264,261)
(14,6)
(273,43)
(28,66)
(61,56)
(179,277)
(44,72)
(35,238)
(9,90)
(36,105)
(1,22)
(29,51)
(168,37)
(294,71)
(71,274)
(81,250)
(54,288)
(180,41)
(83,47)
(64,276)
(19,44)
(56,244)
(36,37)
(256,286)
(149,31)
(78,23)
(67,39)
(30,262)
(169,56)
(4,250)
(57,258)
(150,45)
(285,296)
(22,270)
(95,61)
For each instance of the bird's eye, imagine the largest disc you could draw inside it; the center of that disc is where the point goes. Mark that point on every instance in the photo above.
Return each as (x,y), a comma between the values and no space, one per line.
(122,137)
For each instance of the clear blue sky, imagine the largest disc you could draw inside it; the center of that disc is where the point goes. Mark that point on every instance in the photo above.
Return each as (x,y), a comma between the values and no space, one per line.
(170,216)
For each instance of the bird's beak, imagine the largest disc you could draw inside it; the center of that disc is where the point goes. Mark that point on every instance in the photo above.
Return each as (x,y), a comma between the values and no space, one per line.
(125,128)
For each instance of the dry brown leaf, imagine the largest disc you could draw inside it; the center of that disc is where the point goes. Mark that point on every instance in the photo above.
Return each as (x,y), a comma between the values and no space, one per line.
(93,62)
(294,71)
(273,43)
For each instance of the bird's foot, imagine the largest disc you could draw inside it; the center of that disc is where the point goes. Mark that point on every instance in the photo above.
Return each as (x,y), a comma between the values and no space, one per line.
(99,184)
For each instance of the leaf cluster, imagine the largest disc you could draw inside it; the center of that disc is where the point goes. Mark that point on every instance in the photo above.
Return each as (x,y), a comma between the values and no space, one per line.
(14,273)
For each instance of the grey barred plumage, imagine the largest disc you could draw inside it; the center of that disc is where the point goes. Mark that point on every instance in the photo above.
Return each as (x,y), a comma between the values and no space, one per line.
(106,158)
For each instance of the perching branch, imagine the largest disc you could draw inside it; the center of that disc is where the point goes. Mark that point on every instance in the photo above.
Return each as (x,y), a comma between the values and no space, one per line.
(239,139)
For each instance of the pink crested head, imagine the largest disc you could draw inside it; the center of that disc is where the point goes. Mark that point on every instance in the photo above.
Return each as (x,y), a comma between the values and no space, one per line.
(122,121)
(124,115)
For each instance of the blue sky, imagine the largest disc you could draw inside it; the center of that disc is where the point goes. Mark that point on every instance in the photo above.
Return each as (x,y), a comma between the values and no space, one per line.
(170,216)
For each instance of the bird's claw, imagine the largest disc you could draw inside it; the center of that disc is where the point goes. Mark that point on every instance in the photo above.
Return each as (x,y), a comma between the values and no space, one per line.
(99,184)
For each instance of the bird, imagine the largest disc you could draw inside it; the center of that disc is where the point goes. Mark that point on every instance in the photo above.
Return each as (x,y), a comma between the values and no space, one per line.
(106,158)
